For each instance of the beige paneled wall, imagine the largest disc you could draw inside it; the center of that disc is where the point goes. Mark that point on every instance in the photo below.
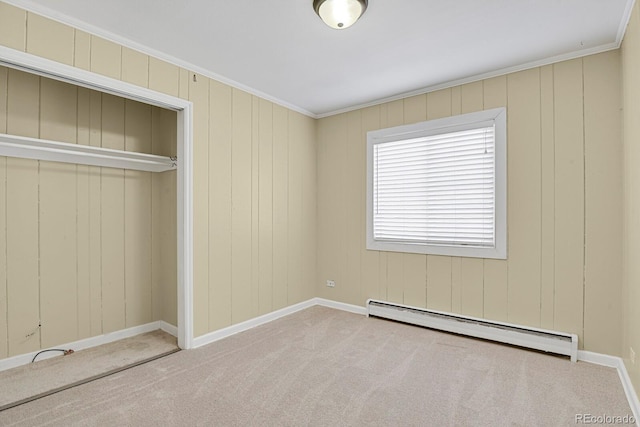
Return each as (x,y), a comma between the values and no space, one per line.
(564,206)
(254,191)
(631,241)
(164,293)
(256,178)
(77,252)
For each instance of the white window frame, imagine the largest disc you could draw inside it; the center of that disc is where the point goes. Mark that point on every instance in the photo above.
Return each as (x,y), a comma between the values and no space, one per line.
(434,127)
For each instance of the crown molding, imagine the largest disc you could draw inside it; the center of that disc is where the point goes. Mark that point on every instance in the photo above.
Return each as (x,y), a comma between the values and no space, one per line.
(39,9)
(36,7)
(478,77)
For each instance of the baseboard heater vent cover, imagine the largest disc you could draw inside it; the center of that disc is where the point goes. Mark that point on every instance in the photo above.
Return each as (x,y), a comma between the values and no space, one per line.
(523,336)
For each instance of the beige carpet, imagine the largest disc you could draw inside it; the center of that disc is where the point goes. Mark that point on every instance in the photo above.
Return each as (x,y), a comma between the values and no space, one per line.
(326,367)
(50,375)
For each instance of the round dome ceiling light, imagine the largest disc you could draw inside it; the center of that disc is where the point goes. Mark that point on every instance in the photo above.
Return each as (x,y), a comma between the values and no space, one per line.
(339,14)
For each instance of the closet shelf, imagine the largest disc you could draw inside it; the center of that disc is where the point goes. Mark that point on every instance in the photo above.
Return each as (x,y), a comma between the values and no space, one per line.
(41,149)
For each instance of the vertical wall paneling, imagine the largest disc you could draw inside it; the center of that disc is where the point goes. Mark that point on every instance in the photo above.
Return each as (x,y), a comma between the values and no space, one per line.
(370,260)
(82,50)
(199,95)
(138,198)
(294,207)
(547,202)
(280,206)
(240,207)
(523,196)
(415,109)
(4,74)
(184,77)
(23,294)
(13,28)
(113,223)
(603,196)
(569,197)
(330,166)
(108,298)
(95,216)
(170,258)
(135,67)
(164,77)
(439,282)
(50,39)
(495,285)
(82,59)
(219,206)
(255,206)
(439,104)
(308,157)
(472,97)
(456,285)
(631,198)
(456,100)
(57,218)
(265,206)
(106,57)
(354,208)
(472,284)
(137,219)
(164,216)
(4,350)
(83,242)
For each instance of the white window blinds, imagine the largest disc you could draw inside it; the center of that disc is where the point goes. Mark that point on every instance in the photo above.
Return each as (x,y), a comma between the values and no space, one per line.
(437,189)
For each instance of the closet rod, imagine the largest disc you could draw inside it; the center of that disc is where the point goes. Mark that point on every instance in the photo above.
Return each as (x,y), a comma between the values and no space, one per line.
(41,149)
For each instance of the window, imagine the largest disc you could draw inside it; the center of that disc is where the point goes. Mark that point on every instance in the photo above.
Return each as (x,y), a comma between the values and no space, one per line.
(439,187)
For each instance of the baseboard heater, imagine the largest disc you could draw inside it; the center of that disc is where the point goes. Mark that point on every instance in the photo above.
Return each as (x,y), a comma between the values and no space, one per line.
(523,336)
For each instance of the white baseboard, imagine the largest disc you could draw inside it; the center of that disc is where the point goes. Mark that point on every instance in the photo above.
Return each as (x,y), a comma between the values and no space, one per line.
(340,306)
(251,323)
(168,328)
(25,359)
(269,317)
(598,359)
(632,396)
(618,363)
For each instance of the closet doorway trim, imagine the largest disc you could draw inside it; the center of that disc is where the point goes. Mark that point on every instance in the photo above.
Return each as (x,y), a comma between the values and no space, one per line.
(29,63)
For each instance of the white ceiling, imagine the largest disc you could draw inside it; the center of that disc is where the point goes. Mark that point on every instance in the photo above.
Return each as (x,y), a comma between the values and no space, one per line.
(281,50)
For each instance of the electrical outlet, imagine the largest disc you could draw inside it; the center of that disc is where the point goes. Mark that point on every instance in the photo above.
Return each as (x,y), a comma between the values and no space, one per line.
(632,355)
(331,283)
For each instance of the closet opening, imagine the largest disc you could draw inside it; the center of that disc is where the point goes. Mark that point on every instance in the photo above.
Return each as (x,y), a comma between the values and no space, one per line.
(95,178)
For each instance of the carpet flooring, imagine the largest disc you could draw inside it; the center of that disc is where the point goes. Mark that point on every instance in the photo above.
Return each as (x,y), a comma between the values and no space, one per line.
(51,375)
(330,368)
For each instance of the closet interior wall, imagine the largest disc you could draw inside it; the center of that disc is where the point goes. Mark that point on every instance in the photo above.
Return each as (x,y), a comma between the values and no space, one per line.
(84,250)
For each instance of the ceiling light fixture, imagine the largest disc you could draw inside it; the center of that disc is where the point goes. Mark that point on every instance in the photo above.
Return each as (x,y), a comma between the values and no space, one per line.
(339,14)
